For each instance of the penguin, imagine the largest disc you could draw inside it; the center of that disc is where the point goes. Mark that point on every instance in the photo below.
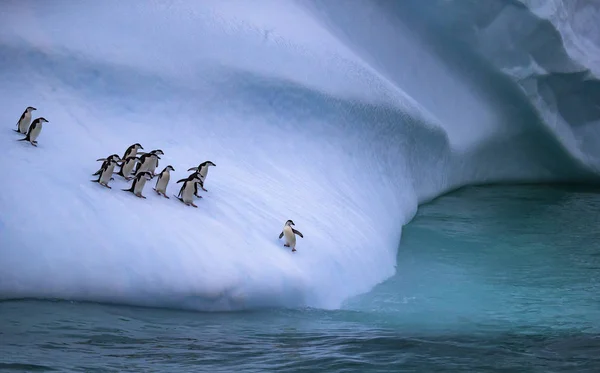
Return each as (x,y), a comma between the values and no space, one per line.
(187,191)
(203,170)
(106,173)
(137,187)
(114,157)
(25,120)
(163,181)
(132,150)
(196,183)
(34,131)
(290,235)
(149,161)
(127,167)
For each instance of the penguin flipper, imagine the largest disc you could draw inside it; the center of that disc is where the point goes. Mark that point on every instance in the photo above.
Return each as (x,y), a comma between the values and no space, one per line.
(193,168)
(280,234)
(297,232)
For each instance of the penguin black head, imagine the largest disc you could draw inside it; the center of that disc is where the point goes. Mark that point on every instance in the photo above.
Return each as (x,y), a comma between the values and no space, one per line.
(169,167)
(138,145)
(206,163)
(110,161)
(157,151)
(30,109)
(112,157)
(289,222)
(42,119)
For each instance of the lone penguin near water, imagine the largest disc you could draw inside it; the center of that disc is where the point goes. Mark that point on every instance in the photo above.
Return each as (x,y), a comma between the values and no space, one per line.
(202,169)
(34,131)
(187,191)
(25,120)
(163,181)
(106,172)
(290,235)
(137,187)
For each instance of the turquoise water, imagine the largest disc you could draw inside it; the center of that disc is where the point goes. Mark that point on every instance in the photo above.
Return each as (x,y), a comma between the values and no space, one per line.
(488,279)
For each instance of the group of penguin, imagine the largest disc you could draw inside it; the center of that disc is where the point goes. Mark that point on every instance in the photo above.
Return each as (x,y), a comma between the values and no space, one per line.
(30,129)
(141,169)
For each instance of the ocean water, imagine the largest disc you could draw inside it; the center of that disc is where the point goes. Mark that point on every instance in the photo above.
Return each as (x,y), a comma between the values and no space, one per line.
(488,279)
(346,117)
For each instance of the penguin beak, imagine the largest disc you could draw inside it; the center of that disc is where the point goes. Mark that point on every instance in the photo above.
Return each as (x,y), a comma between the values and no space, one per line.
(33,108)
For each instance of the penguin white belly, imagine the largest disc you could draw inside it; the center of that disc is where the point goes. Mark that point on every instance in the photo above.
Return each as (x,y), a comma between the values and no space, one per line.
(24,123)
(290,237)
(162,182)
(106,175)
(188,192)
(144,166)
(139,186)
(35,132)
(128,167)
(152,163)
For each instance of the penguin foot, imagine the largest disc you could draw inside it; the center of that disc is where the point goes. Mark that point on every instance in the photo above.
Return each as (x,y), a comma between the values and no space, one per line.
(34,144)
(193,205)
(204,190)
(167,197)
(293,250)
(286,245)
